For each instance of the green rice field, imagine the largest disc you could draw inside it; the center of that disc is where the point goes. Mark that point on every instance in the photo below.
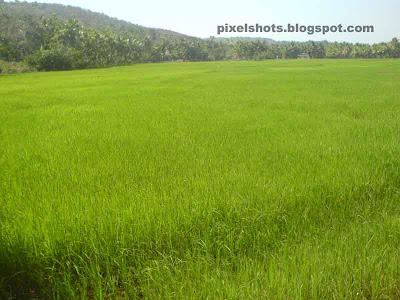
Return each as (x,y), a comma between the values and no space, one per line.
(221,180)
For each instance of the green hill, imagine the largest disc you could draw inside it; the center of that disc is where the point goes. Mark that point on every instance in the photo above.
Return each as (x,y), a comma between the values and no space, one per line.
(24,11)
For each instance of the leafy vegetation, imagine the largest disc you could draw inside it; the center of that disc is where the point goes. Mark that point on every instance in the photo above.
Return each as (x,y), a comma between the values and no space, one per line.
(78,39)
(14,68)
(222,180)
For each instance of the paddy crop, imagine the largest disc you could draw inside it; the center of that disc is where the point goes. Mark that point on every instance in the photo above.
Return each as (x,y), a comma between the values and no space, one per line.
(223,180)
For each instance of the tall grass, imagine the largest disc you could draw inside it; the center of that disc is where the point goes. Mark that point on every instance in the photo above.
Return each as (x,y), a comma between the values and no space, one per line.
(233,180)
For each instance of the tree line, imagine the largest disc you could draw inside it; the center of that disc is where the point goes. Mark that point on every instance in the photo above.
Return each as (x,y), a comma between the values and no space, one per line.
(52,43)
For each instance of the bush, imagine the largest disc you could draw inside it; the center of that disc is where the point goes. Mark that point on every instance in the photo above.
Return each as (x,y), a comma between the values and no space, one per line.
(48,60)
(57,60)
(78,60)
(15,68)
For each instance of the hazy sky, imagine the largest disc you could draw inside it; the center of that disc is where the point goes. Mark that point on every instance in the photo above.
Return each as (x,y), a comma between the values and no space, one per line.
(200,18)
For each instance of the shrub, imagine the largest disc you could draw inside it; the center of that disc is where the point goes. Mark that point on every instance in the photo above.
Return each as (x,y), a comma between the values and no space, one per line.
(49,60)
(78,59)
(15,67)
(57,60)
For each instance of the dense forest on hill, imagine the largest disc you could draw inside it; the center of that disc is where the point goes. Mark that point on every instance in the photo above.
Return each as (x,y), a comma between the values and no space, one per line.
(101,22)
(56,37)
